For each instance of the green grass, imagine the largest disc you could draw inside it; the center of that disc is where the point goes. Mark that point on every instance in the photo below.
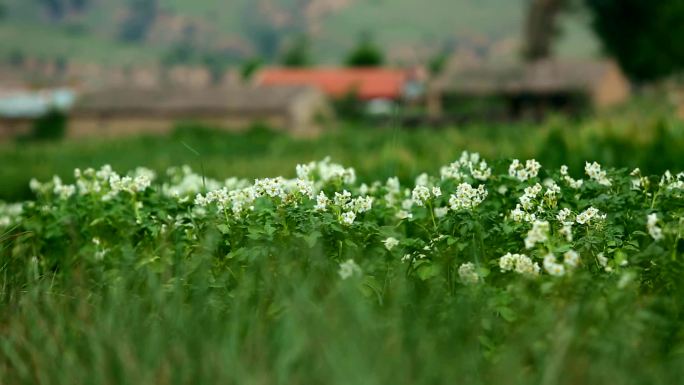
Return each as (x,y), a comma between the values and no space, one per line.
(623,140)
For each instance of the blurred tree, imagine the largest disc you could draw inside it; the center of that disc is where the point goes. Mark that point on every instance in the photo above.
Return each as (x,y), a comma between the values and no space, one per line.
(51,126)
(16,58)
(57,10)
(644,36)
(60,62)
(438,63)
(54,8)
(141,17)
(80,5)
(3,10)
(250,67)
(298,54)
(365,54)
(183,51)
(541,27)
(263,33)
(179,53)
(217,63)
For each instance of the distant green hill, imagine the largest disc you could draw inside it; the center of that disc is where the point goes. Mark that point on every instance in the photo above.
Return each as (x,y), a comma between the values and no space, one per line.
(186,30)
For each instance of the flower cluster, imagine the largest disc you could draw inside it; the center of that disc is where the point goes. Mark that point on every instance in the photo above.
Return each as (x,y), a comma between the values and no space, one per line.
(467,197)
(522,173)
(597,174)
(539,233)
(449,219)
(390,243)
(104,183)
(589,215)
(468,165)
(571,260)
(468,274)
(573,183)
(520,263)
(326,171)
(349,269)
(527,207)
(9,214)
(653,230)
(672,182)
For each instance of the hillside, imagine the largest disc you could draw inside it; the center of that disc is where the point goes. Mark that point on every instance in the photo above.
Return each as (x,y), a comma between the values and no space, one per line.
(143,31)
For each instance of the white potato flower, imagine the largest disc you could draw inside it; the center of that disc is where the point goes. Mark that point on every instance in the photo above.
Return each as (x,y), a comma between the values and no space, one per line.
(538,234)
(468,274)
(349,269)
(321,202)
(571,258)
(596,173)
(523,173)
(348,218)
(420,195)
(390,243)
(653,230)
(467,197)
(552,266)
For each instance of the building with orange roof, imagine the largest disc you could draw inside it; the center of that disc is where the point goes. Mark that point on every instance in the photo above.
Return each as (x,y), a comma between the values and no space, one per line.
(365,83)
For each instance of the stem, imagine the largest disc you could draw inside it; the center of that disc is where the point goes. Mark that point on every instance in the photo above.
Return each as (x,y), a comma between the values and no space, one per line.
(654,198)
(432,215)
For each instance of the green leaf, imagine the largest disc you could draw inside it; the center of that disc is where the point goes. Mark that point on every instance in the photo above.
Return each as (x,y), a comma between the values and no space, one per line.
(223,228)
(312,238)
(427,271)
(507,314)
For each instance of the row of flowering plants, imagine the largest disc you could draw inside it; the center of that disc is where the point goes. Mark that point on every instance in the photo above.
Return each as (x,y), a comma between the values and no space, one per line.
(470,224)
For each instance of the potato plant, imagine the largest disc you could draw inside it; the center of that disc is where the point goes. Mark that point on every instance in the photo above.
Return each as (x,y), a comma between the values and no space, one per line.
(488,254)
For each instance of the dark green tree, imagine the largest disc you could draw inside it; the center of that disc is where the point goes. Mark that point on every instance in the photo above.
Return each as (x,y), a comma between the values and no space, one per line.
(366,54)
(437,63)
(264,35)
(54,8)
(541,27)
(141,17)
(644,36)
(57,10)
(16,58)
(250,67)
(80,5)
(298,54)
(51,126)
(217,63)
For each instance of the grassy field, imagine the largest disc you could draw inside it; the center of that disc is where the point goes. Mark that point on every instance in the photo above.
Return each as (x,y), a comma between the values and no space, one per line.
(475,273)
(622,140)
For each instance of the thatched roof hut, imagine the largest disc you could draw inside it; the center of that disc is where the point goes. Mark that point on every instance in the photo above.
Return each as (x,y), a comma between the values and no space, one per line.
(600,82)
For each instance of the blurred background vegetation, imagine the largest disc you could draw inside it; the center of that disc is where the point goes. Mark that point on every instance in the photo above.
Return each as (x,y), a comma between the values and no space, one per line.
(642,134)
(144,31)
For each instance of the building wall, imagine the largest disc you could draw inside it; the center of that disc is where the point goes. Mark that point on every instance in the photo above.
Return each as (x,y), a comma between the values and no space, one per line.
(613,89)
(308,113)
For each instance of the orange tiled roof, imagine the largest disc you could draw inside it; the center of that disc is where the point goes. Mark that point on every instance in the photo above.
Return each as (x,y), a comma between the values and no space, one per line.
(366,83)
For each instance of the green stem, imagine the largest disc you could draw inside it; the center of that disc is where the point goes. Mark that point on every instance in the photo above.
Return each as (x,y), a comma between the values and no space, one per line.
(432,215)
